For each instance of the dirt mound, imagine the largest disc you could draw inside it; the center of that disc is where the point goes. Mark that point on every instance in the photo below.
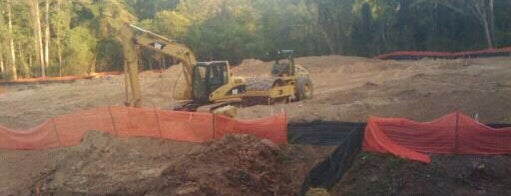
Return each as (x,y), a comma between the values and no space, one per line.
(103,164)
(446,175)
(235,165)
(253,68)
(106,165)
(162,90)
(251,62)
(315,64)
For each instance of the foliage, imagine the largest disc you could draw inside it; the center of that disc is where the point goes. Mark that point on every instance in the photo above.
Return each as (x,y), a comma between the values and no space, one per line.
(80,45)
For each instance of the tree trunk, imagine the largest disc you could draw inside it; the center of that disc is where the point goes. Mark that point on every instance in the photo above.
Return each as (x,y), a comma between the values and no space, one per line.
(2,64)
(59,51)
(480,11)
(492,22)
(2,68)
(92,68)
(26,69)
(13,74)
(38,37)
(57,34)
(487,33)
(47,35)
(30,61)
(58,41)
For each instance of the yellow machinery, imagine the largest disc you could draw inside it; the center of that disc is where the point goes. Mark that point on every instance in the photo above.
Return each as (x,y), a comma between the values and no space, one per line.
(287,80)
(206,82)
(210,85)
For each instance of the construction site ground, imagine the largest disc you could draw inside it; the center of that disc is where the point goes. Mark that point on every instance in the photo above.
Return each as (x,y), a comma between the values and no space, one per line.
(345,89)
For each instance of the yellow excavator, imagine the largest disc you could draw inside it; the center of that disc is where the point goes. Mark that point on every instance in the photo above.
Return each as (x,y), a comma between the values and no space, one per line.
(210,85)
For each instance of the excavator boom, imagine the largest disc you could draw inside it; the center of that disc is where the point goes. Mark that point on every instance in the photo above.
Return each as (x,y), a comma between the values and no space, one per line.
(134,37)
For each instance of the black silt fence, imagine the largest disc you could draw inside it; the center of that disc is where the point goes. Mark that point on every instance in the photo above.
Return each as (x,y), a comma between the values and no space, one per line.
(475,55)
(496,125)
(322,133)
(347,137)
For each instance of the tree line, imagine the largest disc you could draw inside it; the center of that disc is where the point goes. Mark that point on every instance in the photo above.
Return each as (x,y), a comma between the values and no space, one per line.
(68,37)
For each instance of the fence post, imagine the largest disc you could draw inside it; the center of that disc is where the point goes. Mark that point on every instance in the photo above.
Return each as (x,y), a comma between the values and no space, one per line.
(56,132)
(456,133)
(157,120)
(113,121)
(213,124)
(271,106)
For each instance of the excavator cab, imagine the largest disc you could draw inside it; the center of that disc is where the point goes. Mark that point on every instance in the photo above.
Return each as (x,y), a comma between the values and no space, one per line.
(208,77)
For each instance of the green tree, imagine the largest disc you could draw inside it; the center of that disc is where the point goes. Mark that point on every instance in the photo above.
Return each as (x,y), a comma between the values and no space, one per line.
(144,9)
(80,45)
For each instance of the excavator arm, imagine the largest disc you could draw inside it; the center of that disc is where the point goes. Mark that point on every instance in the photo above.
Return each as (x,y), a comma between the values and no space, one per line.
(133,38)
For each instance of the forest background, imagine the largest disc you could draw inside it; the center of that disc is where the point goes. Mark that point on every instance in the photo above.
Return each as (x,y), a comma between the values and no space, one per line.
(71,37)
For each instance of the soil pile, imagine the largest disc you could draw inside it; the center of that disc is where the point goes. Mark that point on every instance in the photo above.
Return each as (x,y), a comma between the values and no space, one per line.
(378,174)
(100,165)
(316,64)
(235,165)
(106,165)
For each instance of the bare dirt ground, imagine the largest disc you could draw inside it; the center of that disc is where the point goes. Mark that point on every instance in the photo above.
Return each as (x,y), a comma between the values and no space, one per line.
(352,88)
(25,106)
(345,89)
(105,165)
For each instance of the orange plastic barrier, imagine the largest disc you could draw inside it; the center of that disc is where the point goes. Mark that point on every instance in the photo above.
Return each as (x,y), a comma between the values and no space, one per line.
(70,78)
(68,130)
(63,78)
(465,54)
(262,128)
(454,133)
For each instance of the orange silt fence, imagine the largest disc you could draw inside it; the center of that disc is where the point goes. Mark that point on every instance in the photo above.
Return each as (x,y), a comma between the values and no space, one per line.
(68,129)
(262,128)
(186,126)
(62,78)
(454,133)
(40,137)
(397,55)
